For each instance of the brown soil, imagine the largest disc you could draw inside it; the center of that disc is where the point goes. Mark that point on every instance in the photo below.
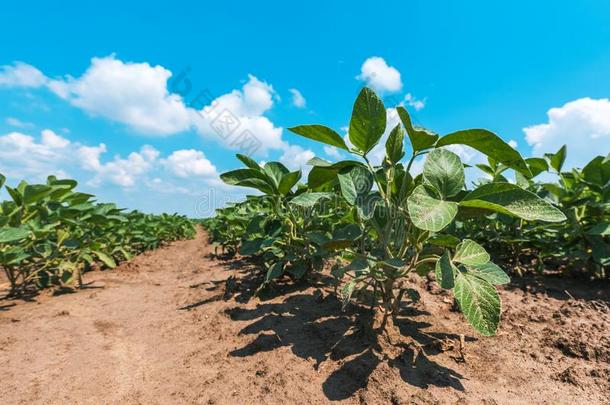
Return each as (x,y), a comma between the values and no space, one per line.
(180,326)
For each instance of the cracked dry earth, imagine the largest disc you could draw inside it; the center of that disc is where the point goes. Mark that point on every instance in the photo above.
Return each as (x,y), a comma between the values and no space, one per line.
(180,326)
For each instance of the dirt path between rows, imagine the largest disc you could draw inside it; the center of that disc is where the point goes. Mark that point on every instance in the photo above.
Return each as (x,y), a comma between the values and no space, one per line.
(178,326)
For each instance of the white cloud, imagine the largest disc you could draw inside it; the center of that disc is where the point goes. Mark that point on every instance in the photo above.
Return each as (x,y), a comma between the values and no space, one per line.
(25,157)
(190,162)
(333,152)
(22,156)
(134,94)
(379,76)
(14,122)
(21,74)
(296,157)
(415,103)
(297,98)
(583,125)
(236,119)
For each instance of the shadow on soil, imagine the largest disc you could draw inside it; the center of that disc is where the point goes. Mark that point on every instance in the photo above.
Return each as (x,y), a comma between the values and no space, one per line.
(315,327)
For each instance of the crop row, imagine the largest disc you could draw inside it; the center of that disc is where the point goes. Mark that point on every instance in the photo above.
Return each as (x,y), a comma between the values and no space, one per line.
(50,234)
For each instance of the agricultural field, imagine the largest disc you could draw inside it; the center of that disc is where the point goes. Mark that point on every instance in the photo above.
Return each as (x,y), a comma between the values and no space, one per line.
(352,282)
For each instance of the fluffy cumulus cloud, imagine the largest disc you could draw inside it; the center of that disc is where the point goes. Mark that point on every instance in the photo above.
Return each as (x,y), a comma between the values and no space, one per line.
(190,162)
(583,125)
(32,158)
(378,75)
(137,96)
(297,98)
(237,120)
(21,74)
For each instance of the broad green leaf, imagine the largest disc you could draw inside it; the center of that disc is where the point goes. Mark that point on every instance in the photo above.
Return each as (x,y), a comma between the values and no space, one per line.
(2,180)
(10,234)
(444,170)
(35,192)
(557,159)
(319,176)
(355,182)
(276,171)
(394,146)
(106,259)
(490,272)
(490,144)
(368,121)
(249,178)
(597,172)
(275,271)
(600,250)
(366,205)
(320,133)
(444,240)
(428,212)
(512,200)
(420,138)
(537,165)
(444,271)
(310,199)
(479,302)
(248,161)
(471,253)
(603,228)
(288,181)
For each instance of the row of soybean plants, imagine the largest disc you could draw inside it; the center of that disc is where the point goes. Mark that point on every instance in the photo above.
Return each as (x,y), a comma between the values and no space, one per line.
(51,234)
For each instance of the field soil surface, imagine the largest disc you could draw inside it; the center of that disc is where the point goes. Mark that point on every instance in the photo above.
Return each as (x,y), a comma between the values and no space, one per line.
(180,325)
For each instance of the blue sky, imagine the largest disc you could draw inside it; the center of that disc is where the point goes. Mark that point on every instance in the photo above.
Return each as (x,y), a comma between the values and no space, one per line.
(75,76)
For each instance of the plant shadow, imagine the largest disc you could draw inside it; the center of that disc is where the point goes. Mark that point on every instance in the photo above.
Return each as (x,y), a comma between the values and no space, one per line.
(315,328)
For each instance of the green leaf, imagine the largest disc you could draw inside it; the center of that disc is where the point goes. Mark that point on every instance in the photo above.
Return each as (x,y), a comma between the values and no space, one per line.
(537,165)
(490,144)
(429,213)
(276,270)
(288,181)
(490,272)
(276,171)
(248,161)
(557,159)
(366,205)
(10,234)
(394,146)
(479,302)
(35,192)
(319,176)
(420,138)
(444,170)
(252,178)
(2,180)
(310,199)
(320,133)
(444,271)
(512,200)
(355,182)
(471,253)
(597,171)
(368,121)
(444,240)
(106,259)
(603,228)
(346,293)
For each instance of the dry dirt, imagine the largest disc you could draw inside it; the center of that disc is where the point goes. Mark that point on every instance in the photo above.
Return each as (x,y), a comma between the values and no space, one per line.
(180,326)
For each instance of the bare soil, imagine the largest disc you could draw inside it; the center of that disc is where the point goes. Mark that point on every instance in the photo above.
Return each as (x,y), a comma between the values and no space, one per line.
(179,325)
